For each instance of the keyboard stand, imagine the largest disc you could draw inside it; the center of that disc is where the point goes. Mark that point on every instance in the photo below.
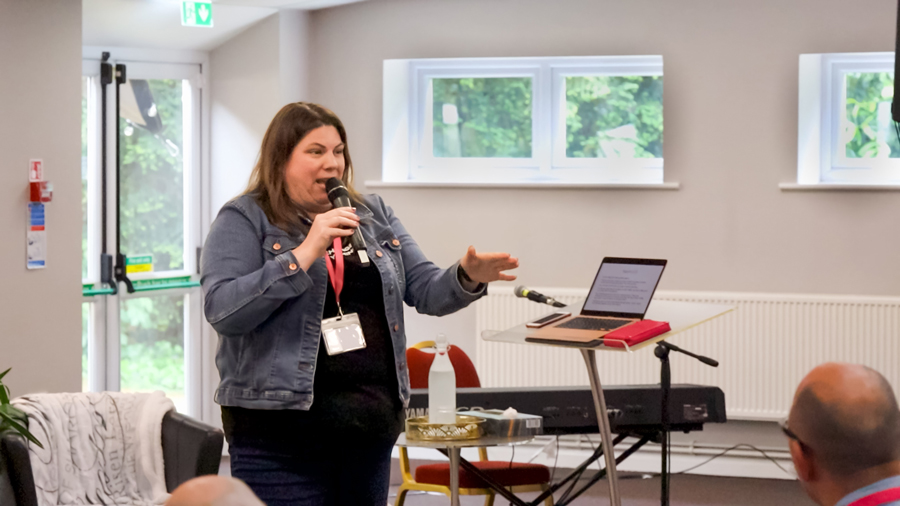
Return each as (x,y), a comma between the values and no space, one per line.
(680,315)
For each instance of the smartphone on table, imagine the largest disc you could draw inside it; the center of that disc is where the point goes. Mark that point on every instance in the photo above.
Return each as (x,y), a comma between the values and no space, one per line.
(547,320)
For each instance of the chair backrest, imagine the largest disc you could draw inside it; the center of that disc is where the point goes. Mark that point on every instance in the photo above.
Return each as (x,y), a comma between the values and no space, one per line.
(16,479)
(190,449)
(419,363)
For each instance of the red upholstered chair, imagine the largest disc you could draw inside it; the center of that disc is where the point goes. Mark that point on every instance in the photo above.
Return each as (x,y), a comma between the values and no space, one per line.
(419,363)
(436,477)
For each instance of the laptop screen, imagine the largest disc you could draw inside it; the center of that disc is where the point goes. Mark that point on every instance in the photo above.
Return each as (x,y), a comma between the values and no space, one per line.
(623,287)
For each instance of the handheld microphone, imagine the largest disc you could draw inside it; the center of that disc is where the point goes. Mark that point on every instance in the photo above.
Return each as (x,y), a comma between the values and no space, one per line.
(340,197)
(521,291)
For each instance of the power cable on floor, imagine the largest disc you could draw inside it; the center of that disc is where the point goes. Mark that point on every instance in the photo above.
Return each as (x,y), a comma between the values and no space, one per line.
(739,445)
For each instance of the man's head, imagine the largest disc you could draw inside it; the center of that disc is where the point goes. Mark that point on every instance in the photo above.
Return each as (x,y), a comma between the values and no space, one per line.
(844,427)
(213,491)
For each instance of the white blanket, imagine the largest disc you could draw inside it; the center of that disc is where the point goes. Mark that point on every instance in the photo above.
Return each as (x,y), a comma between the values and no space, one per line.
(99,448)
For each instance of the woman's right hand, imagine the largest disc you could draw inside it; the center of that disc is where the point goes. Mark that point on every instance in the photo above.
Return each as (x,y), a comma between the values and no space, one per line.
(339,222)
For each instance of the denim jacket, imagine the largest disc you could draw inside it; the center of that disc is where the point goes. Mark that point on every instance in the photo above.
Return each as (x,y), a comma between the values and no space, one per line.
(268,315)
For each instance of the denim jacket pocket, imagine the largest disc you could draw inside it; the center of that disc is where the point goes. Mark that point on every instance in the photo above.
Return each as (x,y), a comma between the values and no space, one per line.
(276,244)
(391,245)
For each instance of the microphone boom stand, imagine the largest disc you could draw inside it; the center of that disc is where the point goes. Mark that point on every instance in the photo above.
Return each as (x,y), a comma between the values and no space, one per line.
(665,375)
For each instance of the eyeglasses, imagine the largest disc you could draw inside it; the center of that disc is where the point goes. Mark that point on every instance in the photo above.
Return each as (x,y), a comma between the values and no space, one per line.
(790,434)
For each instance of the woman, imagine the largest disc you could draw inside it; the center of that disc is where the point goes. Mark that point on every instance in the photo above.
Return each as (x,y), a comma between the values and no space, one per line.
(306,425)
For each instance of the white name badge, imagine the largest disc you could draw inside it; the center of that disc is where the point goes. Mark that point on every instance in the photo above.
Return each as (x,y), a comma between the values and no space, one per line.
(343,334)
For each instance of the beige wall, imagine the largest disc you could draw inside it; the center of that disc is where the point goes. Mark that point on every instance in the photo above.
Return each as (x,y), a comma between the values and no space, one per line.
(730,138)
(40,117)
(244,89)
(252,76)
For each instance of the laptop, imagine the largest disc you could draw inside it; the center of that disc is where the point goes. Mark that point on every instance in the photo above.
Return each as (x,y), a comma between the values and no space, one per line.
(620,295)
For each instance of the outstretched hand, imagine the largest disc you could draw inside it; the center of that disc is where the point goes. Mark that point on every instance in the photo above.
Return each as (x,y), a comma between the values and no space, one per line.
(487,267)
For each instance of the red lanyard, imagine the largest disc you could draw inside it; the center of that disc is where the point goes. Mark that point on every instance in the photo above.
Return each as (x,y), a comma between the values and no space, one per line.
(883,497)
(336,271)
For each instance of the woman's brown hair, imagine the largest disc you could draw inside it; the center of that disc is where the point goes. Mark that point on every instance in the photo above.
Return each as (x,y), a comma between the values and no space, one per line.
(292,123)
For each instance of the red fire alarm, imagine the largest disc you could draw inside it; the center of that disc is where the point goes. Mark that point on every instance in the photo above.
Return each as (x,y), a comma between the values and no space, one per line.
(40,190)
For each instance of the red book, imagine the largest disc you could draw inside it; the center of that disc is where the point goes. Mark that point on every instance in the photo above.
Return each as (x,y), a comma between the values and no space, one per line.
(635,333)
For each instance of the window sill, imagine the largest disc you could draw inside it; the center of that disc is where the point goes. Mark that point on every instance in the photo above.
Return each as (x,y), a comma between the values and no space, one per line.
(837,187)
(526,186)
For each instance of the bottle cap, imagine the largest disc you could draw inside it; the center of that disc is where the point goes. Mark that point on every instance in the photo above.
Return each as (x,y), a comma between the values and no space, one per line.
(441,343)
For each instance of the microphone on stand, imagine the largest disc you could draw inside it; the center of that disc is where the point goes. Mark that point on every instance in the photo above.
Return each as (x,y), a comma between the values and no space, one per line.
(521,291)
(340,197)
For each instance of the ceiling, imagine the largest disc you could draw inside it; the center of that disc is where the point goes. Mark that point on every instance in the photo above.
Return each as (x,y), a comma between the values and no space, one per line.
(156,24)
(286,4)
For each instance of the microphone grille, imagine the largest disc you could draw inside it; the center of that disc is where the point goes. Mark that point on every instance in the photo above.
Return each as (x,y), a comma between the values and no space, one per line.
(520,291)
(332,184)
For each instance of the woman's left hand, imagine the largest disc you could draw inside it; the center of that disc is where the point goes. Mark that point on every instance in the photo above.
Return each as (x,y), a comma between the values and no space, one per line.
(487,267)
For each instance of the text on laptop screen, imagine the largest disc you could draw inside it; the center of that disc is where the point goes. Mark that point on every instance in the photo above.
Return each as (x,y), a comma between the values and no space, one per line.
(623,288)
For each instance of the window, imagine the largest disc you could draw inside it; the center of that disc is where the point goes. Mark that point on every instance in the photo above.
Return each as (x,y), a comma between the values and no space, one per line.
(593,120)
(846,134)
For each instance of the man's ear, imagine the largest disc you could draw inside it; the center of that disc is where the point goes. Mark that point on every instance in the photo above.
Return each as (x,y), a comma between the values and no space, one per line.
(803,463)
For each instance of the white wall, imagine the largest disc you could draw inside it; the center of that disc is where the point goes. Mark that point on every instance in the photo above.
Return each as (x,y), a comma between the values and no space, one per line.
(40,117)
(293,55)
(730,138)
(252,76)
(244,90)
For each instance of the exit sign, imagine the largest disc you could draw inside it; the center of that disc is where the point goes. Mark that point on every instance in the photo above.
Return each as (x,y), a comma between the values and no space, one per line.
(196,14)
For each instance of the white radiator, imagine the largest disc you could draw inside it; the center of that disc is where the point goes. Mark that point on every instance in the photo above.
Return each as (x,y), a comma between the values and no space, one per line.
(764,347)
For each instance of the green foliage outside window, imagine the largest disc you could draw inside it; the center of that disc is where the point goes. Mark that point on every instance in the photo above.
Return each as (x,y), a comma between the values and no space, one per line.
(606,117)
(152,340)
(868,130)
(606,113)
(488,117)
(152,182)
(152,203)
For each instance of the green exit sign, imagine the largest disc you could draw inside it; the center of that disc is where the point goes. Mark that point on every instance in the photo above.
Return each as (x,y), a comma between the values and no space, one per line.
(196,14)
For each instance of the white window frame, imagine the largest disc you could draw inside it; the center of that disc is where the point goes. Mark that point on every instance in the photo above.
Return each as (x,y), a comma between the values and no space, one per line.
(822,90)
(407,142)
(428,167)
(637,170)
(94,204)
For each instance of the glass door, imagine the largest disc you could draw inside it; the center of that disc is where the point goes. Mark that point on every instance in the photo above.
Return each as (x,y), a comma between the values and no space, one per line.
(144,334)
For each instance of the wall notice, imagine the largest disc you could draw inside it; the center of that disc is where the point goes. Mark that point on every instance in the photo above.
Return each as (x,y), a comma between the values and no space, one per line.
(37,237)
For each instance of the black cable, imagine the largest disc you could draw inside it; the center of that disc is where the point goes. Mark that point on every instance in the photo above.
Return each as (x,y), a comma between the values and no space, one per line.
(739,445)
(511,459)
(565,495)
(555,460)
(591,442)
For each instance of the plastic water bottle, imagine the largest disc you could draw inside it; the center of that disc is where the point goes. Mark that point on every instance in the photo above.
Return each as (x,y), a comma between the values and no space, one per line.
(441,385)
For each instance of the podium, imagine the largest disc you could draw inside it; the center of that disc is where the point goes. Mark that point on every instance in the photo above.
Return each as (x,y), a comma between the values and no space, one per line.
(680,315)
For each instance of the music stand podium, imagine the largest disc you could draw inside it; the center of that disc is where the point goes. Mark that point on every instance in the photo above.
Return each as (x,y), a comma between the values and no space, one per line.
(680,315)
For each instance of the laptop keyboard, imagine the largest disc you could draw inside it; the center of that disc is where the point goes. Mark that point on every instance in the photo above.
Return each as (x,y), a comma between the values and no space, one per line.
(593,324)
